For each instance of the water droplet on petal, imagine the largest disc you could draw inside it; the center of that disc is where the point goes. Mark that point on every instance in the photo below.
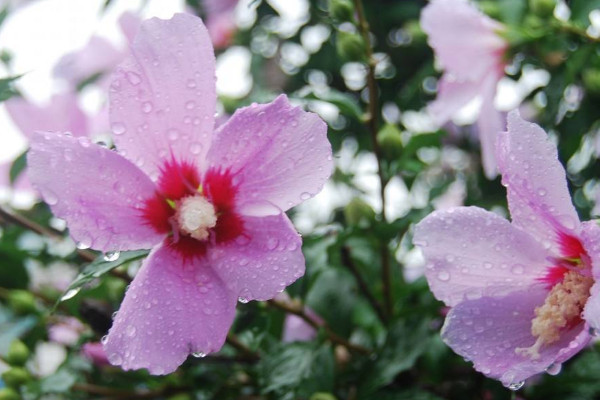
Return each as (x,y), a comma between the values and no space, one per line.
(195,148)
(50,197)
(147,107)
(305,196)
(130,331)
(243,300)
(70,294)
(554,369)
(104,339)
(133,78)
(443,276)
(516,385)
(118,128)
(173,134)
(517,269)
(191,83)
(198,354)
(111,256)
(114,315)
(115,359)
(594,331)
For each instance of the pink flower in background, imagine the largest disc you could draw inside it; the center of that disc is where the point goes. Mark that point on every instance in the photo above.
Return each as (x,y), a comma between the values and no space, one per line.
(220,21)
(94,351)
(210,205)
(471,52)
(523,293)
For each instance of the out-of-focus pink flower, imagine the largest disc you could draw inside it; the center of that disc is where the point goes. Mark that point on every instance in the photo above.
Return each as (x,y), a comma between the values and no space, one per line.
(211,205)
(220,21)
(295,329)
(67,331)
(94,351)
(523,293)
(471,52)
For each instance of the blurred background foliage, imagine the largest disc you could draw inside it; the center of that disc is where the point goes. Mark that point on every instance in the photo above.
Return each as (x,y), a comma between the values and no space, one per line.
(364,335)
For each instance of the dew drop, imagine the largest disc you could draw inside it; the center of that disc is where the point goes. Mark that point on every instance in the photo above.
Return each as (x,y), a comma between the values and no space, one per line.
(198,354)
(594,331)
(243,300)
(114,315)
(70,294)
(130,331)
(111,256)
(554,369)
(305,196)
(147,107)
(272,243)
(443,276)
(83,244)
(172,134)
(191,83)
(517,269)
(195,148)
(190,105)
(104,339)
(117,128)
(133,78)
(50,197)
(115,359)
(516,385)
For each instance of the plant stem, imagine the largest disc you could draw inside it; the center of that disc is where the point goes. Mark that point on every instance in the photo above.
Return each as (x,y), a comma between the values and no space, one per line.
(234,342)
(348,263)
(373,128)
(333,337)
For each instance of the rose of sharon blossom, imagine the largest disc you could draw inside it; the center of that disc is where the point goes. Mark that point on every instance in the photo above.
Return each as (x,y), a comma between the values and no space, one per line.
(523,293)
(471,53)
(209,204)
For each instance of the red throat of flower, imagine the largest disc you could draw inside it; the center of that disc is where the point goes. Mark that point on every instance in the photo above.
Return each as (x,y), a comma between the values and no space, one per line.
(193,211)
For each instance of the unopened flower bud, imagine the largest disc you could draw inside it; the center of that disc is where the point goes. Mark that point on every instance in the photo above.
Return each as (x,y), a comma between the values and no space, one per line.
(22,302)
(390,141)
(9,394)
(15,377)
(358,212)
(18,353)
(542,8)
(350,46)
(341,10)
(591,80)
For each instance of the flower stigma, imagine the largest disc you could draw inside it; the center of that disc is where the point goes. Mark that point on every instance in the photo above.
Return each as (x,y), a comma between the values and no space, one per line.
(195,215)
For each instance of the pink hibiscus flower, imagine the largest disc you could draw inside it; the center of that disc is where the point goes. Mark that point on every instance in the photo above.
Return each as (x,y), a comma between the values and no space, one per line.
(471,52)
(220,21)
(209,204)
(523,293)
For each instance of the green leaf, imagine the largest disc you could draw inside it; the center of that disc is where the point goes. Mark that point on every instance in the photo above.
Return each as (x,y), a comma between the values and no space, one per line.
(99,267)
(6,88)
(405,343)
(297,370)
(17,167)
(12,328)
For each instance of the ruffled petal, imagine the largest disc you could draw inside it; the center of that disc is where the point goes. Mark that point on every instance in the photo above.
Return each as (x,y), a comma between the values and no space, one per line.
(472,253)
(452,96)
(262,262)
(99,193)
(277,154)
(61,114)
(464,39)
(487,331)
(162,97)
(590,236)
(535,181)
(490,124)
(173,308)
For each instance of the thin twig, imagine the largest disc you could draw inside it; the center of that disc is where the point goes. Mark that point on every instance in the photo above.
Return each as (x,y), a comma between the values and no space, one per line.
(386,275)
(234,342)
(364,288)
(334,337)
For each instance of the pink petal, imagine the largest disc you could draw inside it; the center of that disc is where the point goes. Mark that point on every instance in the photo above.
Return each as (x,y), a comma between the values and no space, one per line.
(129,23)
(295,329)
(279,155)
(535,181)
(590,236)
(464,39)
(264,261)
(473,253)
(98,192)
(452,96)
(488,330)
(61,113)
(172,308)
(490,124)
(162,98)
(97,56)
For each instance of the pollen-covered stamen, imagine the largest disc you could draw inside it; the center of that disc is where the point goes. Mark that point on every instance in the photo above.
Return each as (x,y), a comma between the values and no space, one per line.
(562,308)
(195,215)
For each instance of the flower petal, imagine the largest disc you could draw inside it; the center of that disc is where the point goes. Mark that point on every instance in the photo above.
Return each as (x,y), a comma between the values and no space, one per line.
(472,252)
(590,235)
(279,156)
(490,124)
(464,39)
(452,96)
(535,181)
(162,97)
(262,262)
(98,192)
(61,114)
(487,331)
(172,308)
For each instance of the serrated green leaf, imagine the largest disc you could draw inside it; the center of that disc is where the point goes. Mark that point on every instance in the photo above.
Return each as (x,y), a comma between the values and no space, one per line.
(99,267)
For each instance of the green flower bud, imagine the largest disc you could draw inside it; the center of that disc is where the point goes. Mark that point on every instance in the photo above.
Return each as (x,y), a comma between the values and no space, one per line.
(9,394)
(341,10)
(351,46)
(390,141)
(18,353)
(591,80)
(22,302)
(322,396)
(15,377)
(358,212)
(542,8)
